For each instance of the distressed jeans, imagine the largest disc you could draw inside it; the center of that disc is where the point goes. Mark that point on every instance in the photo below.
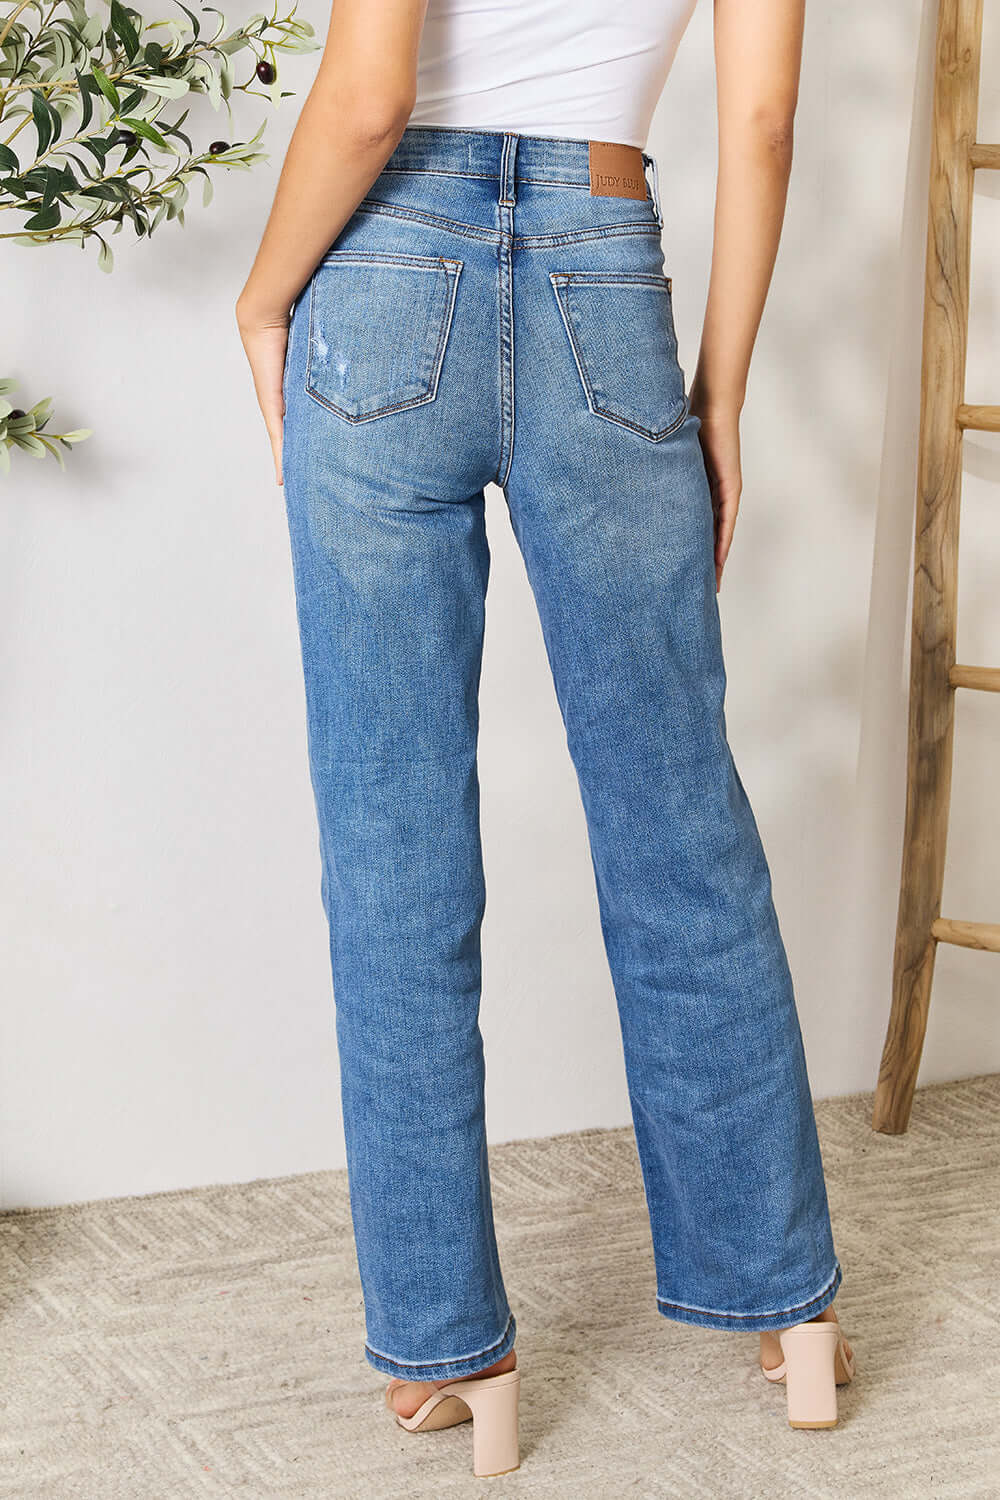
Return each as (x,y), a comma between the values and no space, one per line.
(484,319)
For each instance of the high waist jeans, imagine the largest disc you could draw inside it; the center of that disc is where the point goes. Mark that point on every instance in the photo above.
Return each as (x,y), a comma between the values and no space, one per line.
(483,319)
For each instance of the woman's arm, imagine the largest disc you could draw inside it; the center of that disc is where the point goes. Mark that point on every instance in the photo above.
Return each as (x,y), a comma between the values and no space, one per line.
(351,122)
(758,48)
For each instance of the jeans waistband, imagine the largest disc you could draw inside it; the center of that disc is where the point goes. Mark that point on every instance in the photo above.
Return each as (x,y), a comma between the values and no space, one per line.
(558,160)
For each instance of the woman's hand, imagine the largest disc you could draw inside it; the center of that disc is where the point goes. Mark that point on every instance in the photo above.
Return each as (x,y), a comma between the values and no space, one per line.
(720,445)
(352,120)
(266,341)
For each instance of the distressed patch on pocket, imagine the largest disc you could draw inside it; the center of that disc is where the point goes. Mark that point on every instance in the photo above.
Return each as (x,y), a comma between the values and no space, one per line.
(378,329)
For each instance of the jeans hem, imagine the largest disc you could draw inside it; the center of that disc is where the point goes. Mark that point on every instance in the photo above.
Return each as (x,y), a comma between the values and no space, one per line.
(466,1364)
(783,1317)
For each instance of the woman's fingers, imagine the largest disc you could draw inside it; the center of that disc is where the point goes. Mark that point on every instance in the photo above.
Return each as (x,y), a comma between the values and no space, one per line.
(720,445)
(274,414)
(266,346)
(725,526)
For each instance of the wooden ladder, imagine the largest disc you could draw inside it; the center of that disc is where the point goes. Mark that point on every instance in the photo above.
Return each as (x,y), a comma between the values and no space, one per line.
(934,673)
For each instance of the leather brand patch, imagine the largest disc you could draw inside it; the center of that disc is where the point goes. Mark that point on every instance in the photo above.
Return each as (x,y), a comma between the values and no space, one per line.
(616,171)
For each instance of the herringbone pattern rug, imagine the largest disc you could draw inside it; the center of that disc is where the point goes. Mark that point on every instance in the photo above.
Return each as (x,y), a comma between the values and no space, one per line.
(208,1343)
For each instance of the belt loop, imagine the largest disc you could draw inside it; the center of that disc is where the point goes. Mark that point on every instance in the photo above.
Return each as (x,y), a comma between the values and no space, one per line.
(508,161)
(651,161)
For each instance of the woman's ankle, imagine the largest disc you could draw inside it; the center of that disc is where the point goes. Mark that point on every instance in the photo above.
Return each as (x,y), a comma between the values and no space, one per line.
(501,1366)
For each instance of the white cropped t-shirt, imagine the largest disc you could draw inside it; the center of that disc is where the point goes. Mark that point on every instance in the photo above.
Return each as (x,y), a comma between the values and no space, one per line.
(586,69)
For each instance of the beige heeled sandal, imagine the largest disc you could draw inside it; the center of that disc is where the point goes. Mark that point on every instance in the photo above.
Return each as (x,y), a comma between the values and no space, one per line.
(491,1401)
(815,1363)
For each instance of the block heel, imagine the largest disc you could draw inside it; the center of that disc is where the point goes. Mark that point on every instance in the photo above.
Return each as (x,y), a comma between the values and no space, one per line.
(492,1403)
(815,1363)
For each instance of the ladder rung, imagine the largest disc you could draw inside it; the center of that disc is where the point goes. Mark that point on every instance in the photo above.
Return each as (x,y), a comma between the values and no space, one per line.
(981,155)
(984,679)
(982,418)
(984,935)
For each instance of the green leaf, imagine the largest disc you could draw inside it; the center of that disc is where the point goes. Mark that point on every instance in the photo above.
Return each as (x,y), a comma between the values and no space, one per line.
(106,87)
(122,26)
(8,161)
(92,32)
(107,191)
(175,130)
(53,183)
(86,103)
(195,23)
(47,219)
(29,443)
(56,119)
(51,448)
(213,86)
(105,257)
(79,436)
(43,120)
(153,55)
(98,148)
(143,128)
(166,88)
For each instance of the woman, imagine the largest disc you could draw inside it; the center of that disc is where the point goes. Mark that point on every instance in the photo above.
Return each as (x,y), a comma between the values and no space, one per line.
(462,283)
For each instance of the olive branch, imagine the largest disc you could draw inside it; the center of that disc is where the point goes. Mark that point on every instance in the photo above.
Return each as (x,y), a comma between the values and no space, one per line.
(94,97)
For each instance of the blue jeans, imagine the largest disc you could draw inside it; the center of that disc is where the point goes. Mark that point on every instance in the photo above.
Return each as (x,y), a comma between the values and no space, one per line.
(483,319)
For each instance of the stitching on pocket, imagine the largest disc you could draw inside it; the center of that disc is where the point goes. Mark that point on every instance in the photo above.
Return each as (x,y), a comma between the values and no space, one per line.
(432,264)
(611,278)
(561,281)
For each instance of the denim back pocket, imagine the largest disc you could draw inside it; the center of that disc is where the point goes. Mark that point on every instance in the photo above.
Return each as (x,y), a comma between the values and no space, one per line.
(378,328)
(621,329)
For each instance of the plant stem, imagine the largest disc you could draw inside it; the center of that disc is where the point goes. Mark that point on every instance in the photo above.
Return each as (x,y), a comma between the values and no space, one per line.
(12,18)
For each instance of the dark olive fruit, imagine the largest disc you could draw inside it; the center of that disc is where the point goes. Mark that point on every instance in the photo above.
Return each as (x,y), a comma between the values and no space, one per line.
(218,146)
(16,414)
(125,137)
(266,72)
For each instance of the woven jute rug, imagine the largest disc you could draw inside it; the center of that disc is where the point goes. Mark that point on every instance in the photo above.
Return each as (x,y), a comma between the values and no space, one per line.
(208,1343)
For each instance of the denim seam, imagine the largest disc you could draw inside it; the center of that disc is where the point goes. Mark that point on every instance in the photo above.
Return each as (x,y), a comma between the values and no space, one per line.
(452,270)
(776,1312)
(572,237)
(557,182)
(526,241)
(436,221)
(506,342)
(481,176)
(386,258)
(438,172)
(423,1364)
(499,357)
(612,278)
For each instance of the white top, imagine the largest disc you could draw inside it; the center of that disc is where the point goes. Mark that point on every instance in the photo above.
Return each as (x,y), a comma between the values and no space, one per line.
(587,69)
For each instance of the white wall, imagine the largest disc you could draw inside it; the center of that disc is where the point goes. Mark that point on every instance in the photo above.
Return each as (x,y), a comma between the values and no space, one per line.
(167,1017)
